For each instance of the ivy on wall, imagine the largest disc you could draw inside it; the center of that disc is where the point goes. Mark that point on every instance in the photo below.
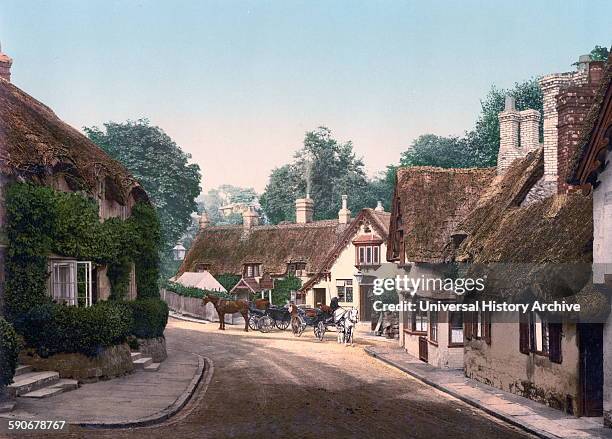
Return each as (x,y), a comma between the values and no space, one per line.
(282,289)
(42,222)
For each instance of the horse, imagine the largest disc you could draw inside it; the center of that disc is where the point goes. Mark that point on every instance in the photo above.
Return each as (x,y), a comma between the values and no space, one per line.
(350,322)
(339,317)
(224,306)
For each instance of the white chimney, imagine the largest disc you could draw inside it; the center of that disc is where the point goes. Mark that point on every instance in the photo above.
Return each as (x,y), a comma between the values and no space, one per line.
(304,210)
(379,207)
(344,215)
(530,131)
(509,121)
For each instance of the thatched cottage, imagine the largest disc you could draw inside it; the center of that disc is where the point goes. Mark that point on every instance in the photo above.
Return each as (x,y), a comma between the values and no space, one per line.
(36,146)
(325,255)
(532,238)
(428,204)
(591,172)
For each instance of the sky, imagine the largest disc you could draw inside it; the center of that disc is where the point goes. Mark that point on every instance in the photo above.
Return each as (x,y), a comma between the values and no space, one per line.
(237,83)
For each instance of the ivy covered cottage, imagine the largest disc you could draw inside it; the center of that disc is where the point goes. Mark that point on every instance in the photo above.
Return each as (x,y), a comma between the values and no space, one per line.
(323,255)
(532,238)
(76,229)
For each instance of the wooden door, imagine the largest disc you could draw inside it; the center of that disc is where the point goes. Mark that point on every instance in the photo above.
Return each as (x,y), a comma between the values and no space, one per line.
(591,368)
(423,354)
(319,296)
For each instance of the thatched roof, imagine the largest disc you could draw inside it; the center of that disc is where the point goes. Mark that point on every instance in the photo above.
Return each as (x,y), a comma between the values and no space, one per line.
(226,248)
(504,193)
(433,201)
(589,158)
(35,143)
(539,251)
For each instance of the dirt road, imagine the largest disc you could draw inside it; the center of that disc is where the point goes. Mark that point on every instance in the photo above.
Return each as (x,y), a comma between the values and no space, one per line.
(274,385)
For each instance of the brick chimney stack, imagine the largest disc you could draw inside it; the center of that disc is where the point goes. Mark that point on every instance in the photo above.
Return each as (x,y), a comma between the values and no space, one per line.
(5,66)
(509,121)
(250,218)
(530,131)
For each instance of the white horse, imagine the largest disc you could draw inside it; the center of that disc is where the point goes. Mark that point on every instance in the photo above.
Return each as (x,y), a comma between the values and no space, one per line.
(351,318)
(339,317)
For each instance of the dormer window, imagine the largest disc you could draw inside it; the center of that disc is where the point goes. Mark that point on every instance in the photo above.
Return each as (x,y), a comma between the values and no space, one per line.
(367,250)
(252,270)
(200,268)
(296,269)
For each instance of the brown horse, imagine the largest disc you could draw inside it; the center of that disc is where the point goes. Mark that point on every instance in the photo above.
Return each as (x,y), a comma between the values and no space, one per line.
(224,306)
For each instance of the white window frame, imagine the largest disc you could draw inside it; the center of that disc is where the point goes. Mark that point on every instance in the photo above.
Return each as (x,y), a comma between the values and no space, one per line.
(66,291)
(368,255)
(343,287)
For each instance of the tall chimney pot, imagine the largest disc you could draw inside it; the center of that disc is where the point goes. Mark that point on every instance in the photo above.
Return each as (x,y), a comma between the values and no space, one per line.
(5,66)
(344,215)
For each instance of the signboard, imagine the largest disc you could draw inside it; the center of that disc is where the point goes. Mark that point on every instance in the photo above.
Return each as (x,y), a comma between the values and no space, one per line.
(266,282)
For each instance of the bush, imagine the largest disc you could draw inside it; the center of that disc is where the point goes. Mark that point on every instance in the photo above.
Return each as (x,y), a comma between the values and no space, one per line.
(198,293)
(51,328)
(9,349)
(149,317)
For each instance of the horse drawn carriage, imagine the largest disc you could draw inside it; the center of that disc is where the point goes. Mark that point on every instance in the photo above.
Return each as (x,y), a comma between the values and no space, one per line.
(323,318)
(264,317)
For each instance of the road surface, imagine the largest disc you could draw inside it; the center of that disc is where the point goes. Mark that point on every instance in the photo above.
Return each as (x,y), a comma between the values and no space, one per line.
(275,385)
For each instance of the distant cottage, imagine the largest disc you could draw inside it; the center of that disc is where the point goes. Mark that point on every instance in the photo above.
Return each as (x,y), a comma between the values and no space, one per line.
(325,255)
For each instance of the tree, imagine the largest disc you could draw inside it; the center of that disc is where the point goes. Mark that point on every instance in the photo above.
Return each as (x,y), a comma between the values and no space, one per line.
(160,166)
(223,195)
(478,148)
(600,53)
(332,169)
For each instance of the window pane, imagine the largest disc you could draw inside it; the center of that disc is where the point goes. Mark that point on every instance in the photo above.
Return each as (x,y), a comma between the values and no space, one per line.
(349,294)
(369,255)
(376,259)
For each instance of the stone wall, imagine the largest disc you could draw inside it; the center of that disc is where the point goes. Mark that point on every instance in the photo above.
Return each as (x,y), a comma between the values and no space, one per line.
(191,306)
(154,348)
(111,362)
(502,365)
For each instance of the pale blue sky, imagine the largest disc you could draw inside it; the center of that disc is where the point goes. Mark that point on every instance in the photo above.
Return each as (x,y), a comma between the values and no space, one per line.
(237,83)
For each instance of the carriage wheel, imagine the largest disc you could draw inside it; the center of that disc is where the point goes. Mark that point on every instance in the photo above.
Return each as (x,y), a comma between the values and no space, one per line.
(253,320)
(319,331)
(265,324)
(282,324)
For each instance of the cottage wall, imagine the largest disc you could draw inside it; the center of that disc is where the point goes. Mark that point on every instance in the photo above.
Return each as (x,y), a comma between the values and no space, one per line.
(502,365)
(602,267)
(439,354)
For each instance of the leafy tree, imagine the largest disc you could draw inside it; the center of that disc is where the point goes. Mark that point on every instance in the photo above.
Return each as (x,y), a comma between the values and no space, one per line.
(432,150)
(600,53)
(333,170)
(223,195)
(478,147)
(160,166)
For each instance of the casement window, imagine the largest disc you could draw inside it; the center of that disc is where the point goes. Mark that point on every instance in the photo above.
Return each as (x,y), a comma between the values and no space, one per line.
(344,288)
(433,326)
(71,282)
(368,254)
(540,337)
(296,269)
(252,270)
(477,325)
(420,321)
(455,328)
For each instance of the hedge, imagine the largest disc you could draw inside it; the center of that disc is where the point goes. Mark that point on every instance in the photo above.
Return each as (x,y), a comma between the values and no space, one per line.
(52,328)
(9,349)
(198,293)
(149,317)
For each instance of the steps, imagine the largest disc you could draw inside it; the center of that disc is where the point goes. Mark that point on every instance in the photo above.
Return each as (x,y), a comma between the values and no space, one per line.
(141,362)
(30,384)
(30,381)
(153,367)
